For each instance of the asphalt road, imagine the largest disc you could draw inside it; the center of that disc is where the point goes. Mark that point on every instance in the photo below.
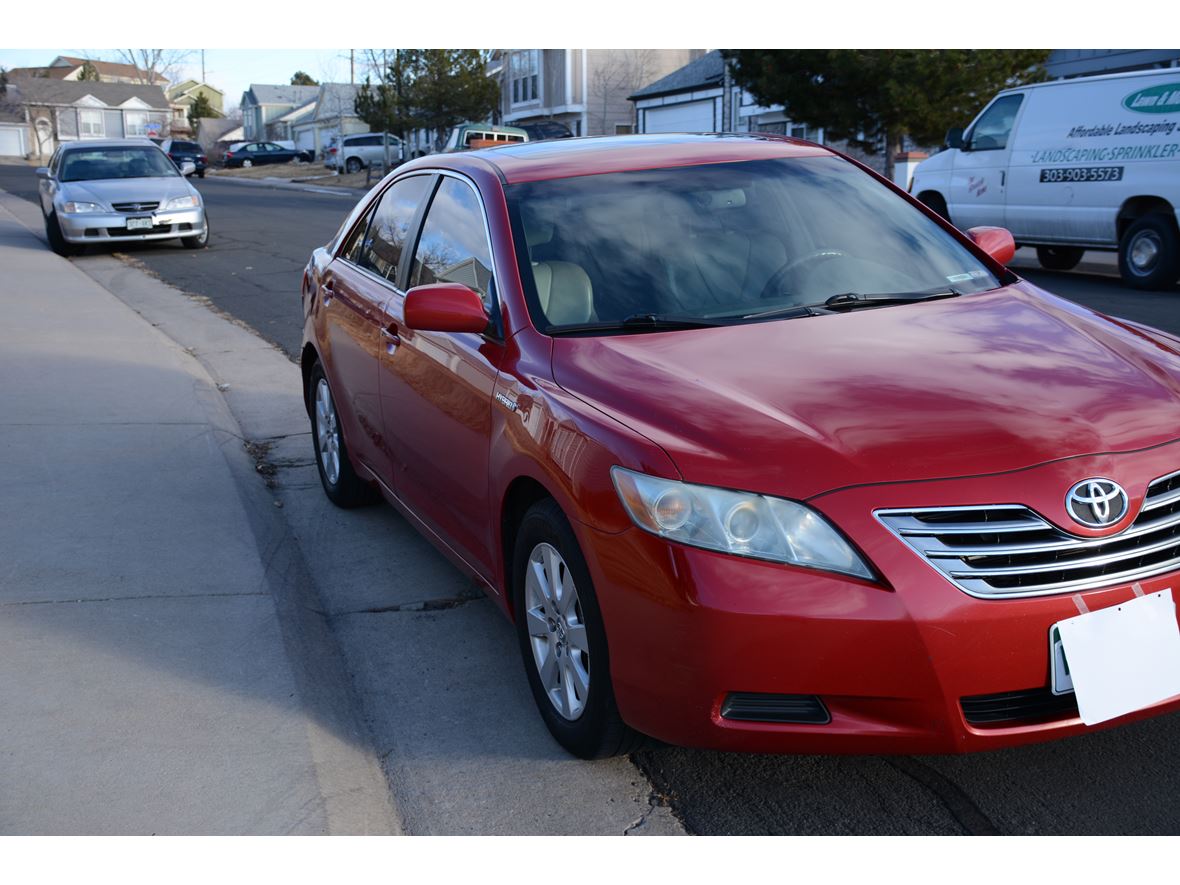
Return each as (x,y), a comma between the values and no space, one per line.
(1112,782)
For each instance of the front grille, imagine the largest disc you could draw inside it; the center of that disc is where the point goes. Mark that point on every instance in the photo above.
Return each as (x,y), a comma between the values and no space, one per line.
(798,708)
(1007,550)
(1035,704)
(135,207)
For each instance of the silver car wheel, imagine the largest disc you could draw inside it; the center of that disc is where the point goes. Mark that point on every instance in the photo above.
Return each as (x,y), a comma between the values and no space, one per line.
(557,632)
(327,431)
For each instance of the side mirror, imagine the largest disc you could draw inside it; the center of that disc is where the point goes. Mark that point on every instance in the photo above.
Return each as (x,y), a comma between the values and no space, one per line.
(42,171)
(445,307)
(995,241)
(954,138)
(187,168)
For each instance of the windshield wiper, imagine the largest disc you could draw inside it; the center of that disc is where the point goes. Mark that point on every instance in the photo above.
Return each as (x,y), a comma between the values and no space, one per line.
(639,322)
(853,300)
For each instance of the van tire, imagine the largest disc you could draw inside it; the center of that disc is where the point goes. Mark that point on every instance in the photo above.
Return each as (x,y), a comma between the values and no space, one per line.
(1149,253)
(1059,257)
(353,165)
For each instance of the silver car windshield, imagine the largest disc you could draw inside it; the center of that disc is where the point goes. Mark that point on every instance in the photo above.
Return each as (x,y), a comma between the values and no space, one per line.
(121,162)
(729,242)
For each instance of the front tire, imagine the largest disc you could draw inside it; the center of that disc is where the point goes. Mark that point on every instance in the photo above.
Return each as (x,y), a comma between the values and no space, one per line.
(341,484)
(1149,253)
(197,242)
(353,165)
(935,201)
(57,241)
(1059,257)
(562,639)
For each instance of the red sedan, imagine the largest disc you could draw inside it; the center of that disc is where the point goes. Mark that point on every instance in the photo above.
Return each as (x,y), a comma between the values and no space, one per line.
(757,452)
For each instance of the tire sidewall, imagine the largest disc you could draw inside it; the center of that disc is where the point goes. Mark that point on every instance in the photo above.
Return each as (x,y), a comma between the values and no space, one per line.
(545,523)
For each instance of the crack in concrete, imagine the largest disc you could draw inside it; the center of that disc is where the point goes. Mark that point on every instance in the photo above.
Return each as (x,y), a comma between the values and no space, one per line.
(425,605)
(175,596)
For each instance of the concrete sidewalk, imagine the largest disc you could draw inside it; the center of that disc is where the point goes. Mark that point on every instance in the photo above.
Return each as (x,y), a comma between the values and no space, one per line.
(150,682)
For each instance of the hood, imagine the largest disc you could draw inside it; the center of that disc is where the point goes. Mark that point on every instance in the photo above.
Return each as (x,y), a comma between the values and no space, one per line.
(938,162)
(125,190)
(964,386)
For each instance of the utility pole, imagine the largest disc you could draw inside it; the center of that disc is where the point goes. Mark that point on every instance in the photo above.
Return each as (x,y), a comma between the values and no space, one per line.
(352,67)
(202,65)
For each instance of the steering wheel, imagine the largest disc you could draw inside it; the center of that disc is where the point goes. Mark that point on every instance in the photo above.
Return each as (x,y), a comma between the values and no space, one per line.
(774,284)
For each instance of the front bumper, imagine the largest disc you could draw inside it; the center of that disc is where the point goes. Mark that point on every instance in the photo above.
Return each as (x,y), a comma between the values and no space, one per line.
(104,227)
(895,662)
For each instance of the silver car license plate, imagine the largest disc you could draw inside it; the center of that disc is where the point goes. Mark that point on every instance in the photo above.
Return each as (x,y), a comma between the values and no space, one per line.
(139,224)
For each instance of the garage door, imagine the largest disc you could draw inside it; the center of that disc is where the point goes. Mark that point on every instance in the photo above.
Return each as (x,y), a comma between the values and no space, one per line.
(690,116)
(12,142)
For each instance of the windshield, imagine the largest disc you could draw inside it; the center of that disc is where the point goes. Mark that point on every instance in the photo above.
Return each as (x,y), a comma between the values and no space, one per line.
(728,242)
(122,162)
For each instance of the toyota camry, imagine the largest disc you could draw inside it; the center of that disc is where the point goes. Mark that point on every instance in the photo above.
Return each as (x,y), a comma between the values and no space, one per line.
(756,451)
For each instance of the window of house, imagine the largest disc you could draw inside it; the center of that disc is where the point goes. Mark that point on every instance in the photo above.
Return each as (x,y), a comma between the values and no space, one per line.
(90,123)
(526,69)
(453,247)
(381,251)
(136,122)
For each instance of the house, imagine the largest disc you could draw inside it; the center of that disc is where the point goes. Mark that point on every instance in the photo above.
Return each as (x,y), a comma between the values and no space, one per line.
(586,89)
(14,132)
(1089,62)
(185,93)
(263,105)
(67,67)
(334,115)
(700,97)
(63,110)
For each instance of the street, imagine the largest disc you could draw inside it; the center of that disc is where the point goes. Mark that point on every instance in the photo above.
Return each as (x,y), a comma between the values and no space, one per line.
(445,735)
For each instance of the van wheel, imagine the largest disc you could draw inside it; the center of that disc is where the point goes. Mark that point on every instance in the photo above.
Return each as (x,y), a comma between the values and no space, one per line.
(353,165)
(1149,253)
(1059,257)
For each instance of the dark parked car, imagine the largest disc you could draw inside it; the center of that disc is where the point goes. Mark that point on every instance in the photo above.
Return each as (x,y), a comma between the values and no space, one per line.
(186,151)
(546,130)
(257,153)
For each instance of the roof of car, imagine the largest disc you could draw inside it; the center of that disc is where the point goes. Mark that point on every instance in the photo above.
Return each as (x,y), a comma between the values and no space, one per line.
(90,144)
(568,157)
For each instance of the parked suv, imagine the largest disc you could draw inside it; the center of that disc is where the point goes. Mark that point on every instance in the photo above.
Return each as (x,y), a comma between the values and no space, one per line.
(354,152)
(186,151)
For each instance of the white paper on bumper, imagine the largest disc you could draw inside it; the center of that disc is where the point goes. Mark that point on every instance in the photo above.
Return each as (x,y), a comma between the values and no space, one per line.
(1125,657)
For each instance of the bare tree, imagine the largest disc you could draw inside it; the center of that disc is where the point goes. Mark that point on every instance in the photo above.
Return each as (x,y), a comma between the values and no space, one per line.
(619,73)
(154,63)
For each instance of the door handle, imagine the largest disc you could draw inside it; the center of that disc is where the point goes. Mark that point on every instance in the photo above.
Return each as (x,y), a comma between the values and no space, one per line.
(329,292)
(389,333)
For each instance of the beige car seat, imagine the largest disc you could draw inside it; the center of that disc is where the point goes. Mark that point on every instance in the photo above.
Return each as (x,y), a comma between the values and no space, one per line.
(563,288)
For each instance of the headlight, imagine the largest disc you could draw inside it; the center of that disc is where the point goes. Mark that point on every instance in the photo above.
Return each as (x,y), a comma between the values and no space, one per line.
(78,208)
(182,203)
(741,523)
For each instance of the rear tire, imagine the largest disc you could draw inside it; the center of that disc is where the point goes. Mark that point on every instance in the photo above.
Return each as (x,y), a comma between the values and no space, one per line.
(1059,257)
(57,241)
(201,174)
(1149,253)
(246,164)
(577,701)
(341,484)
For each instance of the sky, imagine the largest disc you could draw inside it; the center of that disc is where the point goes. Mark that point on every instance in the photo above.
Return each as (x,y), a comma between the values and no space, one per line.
(230,70)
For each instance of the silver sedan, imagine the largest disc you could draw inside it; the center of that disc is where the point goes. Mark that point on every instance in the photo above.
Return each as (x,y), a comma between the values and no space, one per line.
(125,190)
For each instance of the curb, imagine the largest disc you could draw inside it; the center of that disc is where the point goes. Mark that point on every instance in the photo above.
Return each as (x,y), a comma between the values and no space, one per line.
(286,185)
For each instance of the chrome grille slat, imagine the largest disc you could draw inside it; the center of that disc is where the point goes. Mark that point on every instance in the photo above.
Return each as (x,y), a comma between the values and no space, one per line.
(1008,550)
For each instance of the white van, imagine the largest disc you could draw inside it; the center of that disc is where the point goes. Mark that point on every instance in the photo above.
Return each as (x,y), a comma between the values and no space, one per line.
(1070,165)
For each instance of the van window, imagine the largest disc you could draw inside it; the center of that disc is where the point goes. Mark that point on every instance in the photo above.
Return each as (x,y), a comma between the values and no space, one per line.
(991,131)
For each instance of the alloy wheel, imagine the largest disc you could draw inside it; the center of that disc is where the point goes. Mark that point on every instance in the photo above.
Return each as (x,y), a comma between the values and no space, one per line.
(327,431)
(557,631)
(1144,252)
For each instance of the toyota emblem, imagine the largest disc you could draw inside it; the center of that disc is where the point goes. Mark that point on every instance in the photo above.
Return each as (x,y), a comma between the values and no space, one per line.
(1097,503)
